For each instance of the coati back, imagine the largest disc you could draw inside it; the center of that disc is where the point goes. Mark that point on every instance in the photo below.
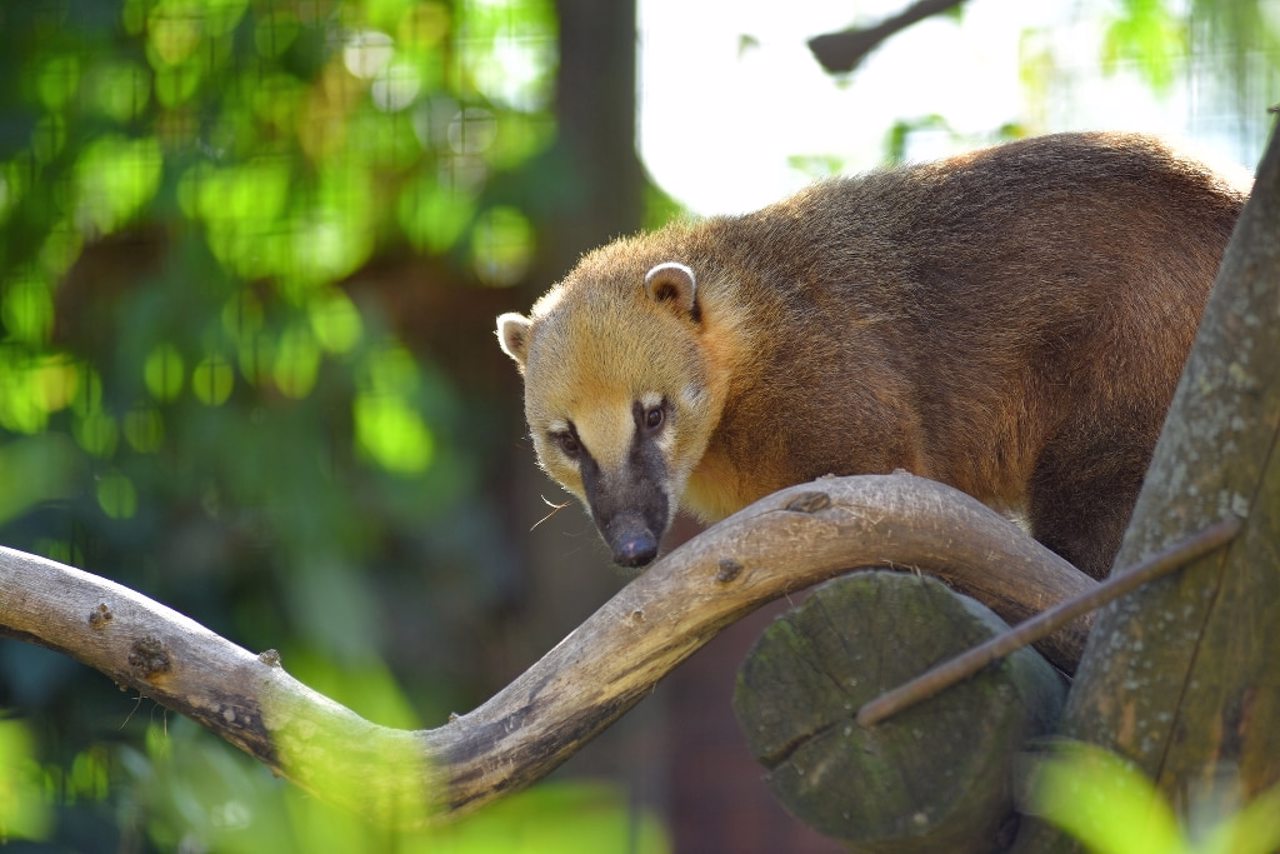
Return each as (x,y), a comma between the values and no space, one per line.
(1011,322)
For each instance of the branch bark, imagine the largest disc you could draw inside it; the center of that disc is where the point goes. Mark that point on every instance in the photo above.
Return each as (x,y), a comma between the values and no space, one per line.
(843,51)
(784,542)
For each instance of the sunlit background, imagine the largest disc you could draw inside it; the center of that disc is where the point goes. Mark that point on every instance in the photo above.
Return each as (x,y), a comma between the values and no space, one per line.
(734,111)
(250,256)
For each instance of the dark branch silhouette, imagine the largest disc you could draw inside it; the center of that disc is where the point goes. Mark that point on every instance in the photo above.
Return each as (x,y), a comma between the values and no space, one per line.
(843,51)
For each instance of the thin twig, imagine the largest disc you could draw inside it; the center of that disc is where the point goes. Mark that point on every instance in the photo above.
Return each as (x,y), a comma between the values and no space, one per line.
(955,670)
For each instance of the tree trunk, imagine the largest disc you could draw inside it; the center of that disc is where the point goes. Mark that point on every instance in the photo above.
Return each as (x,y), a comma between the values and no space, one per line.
(1181,676)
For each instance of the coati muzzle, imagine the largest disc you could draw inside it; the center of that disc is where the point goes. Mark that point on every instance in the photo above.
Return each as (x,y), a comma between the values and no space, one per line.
(632,517)
(631,506)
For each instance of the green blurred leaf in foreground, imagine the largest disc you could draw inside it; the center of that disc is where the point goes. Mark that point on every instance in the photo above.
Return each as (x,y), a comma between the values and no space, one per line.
(1113,808)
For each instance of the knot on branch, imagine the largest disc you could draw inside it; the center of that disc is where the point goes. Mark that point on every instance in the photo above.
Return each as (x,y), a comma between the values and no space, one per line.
(729,570)
(100,616)
(148,657)
(809,502)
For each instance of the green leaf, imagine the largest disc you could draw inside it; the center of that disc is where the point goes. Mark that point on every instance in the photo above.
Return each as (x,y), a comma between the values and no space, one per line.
(25,811)
(114,178)
(1105,802)
(1255,829)
(393,434)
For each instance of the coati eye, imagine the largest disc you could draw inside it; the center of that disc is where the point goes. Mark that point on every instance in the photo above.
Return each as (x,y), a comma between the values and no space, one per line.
(653,417)
(568,443)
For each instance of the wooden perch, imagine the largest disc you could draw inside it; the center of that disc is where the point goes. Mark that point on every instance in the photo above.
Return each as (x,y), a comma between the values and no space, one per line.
(936,778)
(784,542)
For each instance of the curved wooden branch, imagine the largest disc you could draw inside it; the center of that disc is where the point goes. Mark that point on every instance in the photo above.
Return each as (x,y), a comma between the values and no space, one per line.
(784,542)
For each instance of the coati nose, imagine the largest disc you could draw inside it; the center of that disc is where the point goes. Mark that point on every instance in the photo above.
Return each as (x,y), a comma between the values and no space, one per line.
(636,550)
(631,541)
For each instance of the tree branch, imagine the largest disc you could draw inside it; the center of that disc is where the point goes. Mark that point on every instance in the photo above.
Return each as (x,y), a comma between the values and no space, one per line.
(784,542)
(842,51)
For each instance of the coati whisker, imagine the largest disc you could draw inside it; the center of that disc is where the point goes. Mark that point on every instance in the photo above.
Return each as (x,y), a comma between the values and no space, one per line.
(555,508)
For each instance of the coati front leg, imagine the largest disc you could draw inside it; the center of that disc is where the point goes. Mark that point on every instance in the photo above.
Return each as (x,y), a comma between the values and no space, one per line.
(1082,494)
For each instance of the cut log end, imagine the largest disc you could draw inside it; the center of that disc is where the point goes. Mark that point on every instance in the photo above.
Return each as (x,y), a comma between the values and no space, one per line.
(935,777)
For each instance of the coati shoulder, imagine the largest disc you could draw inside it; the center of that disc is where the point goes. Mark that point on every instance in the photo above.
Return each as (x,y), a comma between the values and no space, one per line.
(1011,322)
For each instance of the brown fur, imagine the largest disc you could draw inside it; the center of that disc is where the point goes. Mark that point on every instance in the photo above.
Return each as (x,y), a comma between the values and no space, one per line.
(1010,322)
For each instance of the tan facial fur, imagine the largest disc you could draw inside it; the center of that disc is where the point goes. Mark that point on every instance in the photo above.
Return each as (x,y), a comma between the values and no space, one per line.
(591,350)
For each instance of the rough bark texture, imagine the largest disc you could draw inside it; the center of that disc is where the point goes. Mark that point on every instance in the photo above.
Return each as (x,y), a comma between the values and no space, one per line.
(788,540)
(1181,677)
(936,777)
(247,699)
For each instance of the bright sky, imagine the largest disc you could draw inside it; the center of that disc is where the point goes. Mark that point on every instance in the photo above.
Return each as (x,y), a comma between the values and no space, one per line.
(719,121)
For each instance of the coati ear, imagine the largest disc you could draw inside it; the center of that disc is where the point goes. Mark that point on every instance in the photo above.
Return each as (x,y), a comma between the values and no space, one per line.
(673,283)
(513,336)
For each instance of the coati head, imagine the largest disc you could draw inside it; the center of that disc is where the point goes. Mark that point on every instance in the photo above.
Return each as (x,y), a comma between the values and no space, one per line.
(617,393)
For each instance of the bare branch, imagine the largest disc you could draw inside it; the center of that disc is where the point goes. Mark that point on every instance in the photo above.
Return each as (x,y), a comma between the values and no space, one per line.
(787,541)
(841,52)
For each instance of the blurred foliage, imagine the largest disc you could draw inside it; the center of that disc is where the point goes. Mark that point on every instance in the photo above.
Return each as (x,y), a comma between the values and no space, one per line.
(1218,50)
(905,132)
(1157,37)
(1151,34)
(1113,808)
(195,794)
(206,391)
(25,812)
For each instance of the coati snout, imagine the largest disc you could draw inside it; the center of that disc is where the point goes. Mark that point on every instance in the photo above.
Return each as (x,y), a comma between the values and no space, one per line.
(631,505)
(1011,322)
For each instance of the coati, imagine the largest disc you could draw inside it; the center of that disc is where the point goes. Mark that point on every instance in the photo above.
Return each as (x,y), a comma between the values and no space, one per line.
(1011,322)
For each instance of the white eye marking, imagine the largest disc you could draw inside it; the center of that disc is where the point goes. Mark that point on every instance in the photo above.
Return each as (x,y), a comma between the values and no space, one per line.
(605,431)
(665,437)
(559,425)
